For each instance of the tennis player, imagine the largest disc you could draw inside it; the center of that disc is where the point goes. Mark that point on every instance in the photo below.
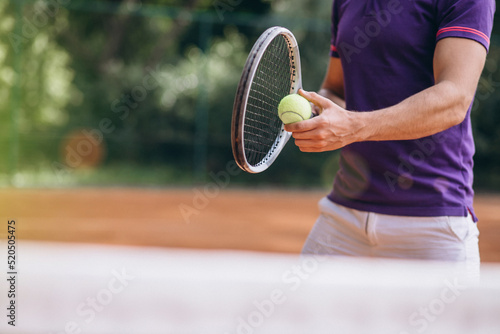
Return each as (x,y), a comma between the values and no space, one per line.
(396,99)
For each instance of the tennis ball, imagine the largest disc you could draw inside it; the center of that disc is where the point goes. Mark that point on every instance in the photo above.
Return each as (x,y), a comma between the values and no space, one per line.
(294,108)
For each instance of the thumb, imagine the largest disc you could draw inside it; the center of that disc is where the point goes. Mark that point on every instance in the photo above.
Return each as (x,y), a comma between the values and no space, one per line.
(316,99)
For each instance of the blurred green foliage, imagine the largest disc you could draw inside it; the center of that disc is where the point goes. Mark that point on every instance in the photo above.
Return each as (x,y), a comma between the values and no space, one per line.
(152,83)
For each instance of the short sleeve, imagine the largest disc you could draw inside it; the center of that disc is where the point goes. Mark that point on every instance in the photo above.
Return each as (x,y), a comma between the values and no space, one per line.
(335,23)
(472,19)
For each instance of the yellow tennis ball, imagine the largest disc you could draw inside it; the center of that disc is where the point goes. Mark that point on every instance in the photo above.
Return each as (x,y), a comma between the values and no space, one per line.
(294,108)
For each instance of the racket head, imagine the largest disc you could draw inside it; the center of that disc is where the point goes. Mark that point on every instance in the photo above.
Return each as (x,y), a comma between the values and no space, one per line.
(271,72)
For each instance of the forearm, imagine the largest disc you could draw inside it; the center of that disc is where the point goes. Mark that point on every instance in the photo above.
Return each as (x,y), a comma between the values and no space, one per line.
(457,65)
(423,114)
(428,112)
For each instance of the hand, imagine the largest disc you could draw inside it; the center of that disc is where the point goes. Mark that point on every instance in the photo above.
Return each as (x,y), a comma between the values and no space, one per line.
(334,128)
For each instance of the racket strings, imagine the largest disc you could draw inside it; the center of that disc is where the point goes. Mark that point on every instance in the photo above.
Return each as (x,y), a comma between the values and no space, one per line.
(271,82)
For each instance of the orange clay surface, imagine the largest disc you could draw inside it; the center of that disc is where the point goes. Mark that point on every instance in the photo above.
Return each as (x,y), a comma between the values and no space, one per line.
(258,220)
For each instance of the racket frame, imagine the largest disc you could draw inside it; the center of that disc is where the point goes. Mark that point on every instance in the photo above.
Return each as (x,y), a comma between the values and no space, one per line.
(242,93)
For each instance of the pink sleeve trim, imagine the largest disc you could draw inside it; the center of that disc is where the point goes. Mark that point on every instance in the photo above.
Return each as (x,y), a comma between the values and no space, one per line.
(464,29)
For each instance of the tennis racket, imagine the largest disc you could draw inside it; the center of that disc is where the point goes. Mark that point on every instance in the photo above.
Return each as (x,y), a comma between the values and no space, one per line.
(271,72)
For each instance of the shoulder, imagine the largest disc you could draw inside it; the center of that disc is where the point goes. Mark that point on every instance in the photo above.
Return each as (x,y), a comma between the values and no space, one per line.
(471,7)
(472,19)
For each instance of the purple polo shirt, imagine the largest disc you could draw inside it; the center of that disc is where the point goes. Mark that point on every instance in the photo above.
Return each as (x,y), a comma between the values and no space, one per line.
(386,48)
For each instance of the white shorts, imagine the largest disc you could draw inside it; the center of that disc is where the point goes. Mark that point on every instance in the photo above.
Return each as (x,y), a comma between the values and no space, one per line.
(343,231)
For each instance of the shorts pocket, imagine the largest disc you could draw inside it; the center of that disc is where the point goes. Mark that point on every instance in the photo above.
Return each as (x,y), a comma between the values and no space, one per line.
(460,226)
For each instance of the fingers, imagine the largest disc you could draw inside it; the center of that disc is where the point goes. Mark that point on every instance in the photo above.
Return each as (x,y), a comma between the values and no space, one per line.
(318,140)
(321,101)
(313,140)
(309,146)
(317,145)
(313,133)
(306,125)
(320,104)
(332,129)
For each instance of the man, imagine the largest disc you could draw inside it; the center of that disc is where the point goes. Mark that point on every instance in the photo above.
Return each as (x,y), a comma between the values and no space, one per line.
(397,98)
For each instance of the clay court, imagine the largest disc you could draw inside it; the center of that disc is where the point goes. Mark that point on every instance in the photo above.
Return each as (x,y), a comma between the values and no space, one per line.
(201,218)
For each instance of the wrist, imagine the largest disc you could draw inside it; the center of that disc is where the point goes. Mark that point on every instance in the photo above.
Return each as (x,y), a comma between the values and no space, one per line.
(361,125)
